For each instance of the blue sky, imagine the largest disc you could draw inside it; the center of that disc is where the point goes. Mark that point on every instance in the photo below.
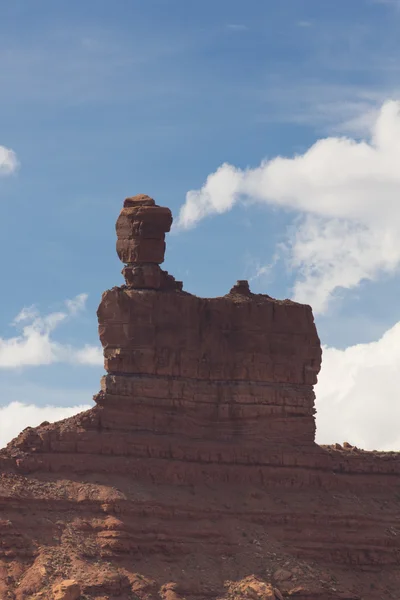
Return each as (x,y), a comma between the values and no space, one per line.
(100,100)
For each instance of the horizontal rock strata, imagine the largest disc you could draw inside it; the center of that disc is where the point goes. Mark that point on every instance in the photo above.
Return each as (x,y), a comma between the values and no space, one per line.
(196,474)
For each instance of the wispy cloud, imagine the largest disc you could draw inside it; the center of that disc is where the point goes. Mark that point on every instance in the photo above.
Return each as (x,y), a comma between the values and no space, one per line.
(71,67)
(339,109)
(258,270)
(236,27)
(393,3)
(344,194)
(8,161)
(34,345)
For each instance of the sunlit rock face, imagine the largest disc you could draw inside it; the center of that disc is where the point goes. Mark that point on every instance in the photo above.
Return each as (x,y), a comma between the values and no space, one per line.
(196,474)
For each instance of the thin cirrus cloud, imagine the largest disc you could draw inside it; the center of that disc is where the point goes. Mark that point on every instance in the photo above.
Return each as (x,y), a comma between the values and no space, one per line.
(8,161)
(237,27)
(35,345)
(344,196)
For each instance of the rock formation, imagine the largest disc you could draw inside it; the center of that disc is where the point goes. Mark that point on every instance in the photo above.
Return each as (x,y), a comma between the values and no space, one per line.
(197,467)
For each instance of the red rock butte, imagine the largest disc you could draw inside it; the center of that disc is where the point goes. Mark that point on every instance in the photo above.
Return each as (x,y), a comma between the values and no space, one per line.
(196,474)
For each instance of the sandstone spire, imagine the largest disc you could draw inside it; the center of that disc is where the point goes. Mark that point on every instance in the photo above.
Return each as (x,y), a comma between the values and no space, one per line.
(197,465)
(141,229)
(241,368)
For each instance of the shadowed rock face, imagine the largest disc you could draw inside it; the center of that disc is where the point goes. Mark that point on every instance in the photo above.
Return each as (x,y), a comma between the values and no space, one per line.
(198,463)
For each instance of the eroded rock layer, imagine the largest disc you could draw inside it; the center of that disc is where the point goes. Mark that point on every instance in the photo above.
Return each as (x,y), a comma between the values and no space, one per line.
(196,474)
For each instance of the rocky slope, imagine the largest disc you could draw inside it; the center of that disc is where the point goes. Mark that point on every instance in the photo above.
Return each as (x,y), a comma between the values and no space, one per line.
(196,474)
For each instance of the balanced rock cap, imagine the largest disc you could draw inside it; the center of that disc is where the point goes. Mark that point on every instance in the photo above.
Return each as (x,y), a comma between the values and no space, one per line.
(141,229)
(139,200)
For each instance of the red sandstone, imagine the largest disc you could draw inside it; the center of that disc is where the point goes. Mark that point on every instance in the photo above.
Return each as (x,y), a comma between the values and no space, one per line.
(196,474)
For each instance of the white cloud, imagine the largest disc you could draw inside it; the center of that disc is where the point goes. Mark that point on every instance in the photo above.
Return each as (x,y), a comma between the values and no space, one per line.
(35,345)
(357,394)
(8,161)
(345,195)
(76,304)
(89,355)
(16,416)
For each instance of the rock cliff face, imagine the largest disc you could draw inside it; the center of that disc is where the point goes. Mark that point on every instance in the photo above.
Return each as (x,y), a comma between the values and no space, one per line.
(197,464)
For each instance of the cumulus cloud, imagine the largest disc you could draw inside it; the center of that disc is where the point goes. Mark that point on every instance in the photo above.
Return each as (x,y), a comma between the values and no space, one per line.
(8,161)
(34,345)
(357,394)
(16,416)
(344,195)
